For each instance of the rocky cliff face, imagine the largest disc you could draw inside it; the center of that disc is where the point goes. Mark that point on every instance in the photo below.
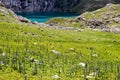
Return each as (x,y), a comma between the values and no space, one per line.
(40,5)
(55,5)
(91,5)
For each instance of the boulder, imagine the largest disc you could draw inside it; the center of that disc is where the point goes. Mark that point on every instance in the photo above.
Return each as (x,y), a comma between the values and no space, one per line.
(1,4)
(79,18)
(95,22)
(115,29)
(116,19)
(22,19)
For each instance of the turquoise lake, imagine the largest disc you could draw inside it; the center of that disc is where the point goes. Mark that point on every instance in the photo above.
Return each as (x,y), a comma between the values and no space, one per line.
(44,16)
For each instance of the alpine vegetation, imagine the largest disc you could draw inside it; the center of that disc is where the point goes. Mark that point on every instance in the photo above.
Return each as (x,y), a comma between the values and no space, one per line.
(30,51)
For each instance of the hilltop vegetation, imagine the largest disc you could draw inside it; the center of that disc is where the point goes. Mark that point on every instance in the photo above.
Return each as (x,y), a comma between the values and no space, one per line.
(28,52)
(106,18)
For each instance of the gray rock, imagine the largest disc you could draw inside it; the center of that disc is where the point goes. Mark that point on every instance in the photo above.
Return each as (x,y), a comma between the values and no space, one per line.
(1,4)
(56,5)
(22,19)
(116,19)
(40,5)
(115,29)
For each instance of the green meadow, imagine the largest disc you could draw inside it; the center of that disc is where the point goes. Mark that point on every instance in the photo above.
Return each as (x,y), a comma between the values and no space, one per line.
(40,53)
(28,52)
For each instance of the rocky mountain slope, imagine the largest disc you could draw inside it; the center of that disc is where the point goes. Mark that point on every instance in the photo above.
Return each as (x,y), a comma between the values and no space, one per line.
(105,19)
(40,5)
(55,5)
(7,15)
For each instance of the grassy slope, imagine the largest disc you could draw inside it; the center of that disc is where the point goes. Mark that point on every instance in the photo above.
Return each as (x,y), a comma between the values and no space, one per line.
(28,41)
(105,14)
(65,22)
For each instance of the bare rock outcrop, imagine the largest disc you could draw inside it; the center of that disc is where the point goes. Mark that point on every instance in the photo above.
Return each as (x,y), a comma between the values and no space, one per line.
(56,5)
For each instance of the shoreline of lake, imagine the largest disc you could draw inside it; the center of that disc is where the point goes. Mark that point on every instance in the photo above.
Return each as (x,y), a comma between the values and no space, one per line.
(42,17)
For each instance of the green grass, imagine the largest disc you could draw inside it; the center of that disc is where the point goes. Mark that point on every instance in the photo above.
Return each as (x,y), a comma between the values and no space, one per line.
(105,14)
(27,42)
(57,52)
(65,22)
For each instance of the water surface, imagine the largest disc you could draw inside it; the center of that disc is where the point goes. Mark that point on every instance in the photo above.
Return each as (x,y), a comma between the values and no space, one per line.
(44,16)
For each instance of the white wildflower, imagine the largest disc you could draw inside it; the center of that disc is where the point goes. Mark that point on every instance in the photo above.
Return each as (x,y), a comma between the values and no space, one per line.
(72,49)
(95,55)
(36,61)
(31,59)
(79,30)
(92,74)
(3,54)
(55,52)
(55,77)
(89,77)
(82,64)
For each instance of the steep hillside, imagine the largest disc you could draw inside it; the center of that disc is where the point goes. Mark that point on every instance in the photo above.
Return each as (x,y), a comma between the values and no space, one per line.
(106,19)
(9,16)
